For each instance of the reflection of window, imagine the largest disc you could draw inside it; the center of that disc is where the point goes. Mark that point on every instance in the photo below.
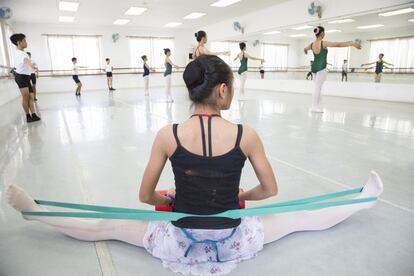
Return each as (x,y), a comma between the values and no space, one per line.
(336,56)
(152,47)
(397,51)
(11,47)
(87,49)
(227,46)
(275,55)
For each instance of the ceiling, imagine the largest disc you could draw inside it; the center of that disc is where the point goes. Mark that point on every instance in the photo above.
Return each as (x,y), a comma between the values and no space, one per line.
(105,12)
(390,23)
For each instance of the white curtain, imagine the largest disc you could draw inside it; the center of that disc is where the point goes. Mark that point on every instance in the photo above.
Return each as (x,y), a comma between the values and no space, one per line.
(336,57)
(10,47)
(87,49)
(397,51)
(2,50)
(275,55)
(153,48)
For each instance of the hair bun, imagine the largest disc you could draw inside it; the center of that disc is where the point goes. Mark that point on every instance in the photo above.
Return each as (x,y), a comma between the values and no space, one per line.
(316,30)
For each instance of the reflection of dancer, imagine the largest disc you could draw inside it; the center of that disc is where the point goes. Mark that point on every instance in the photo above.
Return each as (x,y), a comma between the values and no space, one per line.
(167,74)
(146,74)
(243,56)
(207,166)
(379,66)
(261,70)
(345,70)
(201,37)
(320,53)
(108,71)
(75,76)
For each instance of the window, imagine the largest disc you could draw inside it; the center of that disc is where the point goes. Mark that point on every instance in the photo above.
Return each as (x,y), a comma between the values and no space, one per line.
(87,49)
(397,51)
(275,55)
(2,50)
(152,47)
(336,57)
(11,48)
(227,46)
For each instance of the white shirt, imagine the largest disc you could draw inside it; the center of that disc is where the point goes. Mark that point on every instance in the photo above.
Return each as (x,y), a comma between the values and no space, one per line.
(75,70)
(108,68)
(345,67)
(21,67)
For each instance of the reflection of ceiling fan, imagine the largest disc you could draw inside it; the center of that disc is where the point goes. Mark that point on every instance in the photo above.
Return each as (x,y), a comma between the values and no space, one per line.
(315,9)
(238,27)
(256,42)
(5,13)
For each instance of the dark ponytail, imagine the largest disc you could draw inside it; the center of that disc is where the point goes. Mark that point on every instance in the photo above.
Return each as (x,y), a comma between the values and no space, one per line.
(202,75)
(199,35)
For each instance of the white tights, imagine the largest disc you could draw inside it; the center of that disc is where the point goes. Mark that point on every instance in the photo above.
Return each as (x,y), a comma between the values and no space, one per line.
(132,231)
(319,78)
(146,81)
(168,87)
(243,77)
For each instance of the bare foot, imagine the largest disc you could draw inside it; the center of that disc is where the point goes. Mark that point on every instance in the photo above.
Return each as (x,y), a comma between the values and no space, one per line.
(20,200)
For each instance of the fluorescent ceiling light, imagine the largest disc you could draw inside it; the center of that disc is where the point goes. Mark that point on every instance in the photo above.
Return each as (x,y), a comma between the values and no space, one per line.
(397,12)
(272,32)
(121,21)
(411,20)
(302,28)
(370,26)
(135,11)
(66,18)
(194,15)
(340,21)
(224,3)
(298,35)
(333,31)
(68,6)
(172,24)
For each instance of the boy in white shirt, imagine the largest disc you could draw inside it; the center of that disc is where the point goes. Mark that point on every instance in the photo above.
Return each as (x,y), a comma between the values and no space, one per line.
(75,76)
(345,70)
(33,75)
(22,74)
(108,70)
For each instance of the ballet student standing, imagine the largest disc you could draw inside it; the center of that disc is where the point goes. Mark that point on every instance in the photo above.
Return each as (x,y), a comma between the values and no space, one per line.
(24,69)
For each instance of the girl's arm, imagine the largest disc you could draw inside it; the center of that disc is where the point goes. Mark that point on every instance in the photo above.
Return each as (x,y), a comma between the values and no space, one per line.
(236,57)
(388,63)
(307,48)
(159,155)
(253,148)
(170,62)
(253,58)
(367,64)
(342,44)
(207,52)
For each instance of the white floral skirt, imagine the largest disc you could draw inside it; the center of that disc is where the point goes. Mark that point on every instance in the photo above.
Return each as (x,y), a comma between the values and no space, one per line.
(202,251)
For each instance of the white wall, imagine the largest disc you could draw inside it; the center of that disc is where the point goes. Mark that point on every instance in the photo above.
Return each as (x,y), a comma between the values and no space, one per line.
(118,52)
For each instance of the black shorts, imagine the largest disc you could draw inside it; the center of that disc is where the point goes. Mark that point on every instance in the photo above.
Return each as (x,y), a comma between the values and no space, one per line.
(23,81)
(344,74)
(33,78)
(109,74)
(261,71)
(76,79)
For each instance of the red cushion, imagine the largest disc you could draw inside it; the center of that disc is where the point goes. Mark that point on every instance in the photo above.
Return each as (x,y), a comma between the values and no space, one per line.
(166,208)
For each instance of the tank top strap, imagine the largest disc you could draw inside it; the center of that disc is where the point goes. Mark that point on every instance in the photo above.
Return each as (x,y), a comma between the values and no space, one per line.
(210,146)
(175,126)
(203,136)
(239,135)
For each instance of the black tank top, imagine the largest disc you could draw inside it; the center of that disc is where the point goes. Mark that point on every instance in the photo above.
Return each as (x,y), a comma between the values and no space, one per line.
(207,184)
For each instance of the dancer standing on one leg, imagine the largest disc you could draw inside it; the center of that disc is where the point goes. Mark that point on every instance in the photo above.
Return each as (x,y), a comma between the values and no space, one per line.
(201,37)
(243,56)
(33,75)
(167,74)
(108,71)
(207,166)
(22,72)
(379,67)
(320,53)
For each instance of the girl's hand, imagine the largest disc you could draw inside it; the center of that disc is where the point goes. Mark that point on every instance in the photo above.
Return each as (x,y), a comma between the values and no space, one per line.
(357,45)
(171,191)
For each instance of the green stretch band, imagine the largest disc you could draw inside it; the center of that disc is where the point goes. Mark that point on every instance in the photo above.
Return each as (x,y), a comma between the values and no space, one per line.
(310,203)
